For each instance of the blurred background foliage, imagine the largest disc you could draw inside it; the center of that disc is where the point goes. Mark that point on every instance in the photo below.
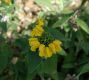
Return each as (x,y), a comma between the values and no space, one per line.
(67,20)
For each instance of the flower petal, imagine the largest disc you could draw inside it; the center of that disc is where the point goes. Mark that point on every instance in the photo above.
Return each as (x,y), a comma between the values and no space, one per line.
(52,47)
(48,52)
(42,50)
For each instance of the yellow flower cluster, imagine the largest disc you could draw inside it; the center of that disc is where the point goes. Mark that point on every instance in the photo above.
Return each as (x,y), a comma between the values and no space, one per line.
(38,30)
(45,51)
(44,43)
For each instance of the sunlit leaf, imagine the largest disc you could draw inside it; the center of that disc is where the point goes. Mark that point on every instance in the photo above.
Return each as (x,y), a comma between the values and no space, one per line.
(83,25)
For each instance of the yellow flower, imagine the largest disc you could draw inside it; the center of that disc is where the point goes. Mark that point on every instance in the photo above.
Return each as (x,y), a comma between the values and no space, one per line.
(57,44)
(39,28)
(52,47)
(42,50)
(48,52)
(33,39)
(37,31)
(34,43)
(43,45)
(8,2)
(40,22)
(45,51)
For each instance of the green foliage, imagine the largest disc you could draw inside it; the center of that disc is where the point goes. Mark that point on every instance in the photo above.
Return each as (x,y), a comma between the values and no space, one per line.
(4,58)
(18,62)
(84,69)
(83,25)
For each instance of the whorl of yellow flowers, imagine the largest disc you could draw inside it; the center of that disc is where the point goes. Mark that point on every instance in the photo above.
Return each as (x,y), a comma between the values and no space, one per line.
(43,43)
(38,30)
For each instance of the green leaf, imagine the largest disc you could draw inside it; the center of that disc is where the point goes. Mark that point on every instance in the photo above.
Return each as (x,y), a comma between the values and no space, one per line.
(61,75)
(55,33)
(87,9)
(85,47)
(21,70)
(69,61)
(68,65)
(63,53)
(5,55)
(61,21)
(1,78)
(30,76)
(49,65)
(22,42)
(55,76)
(3,26)
(83,25)
(84,69)
(33,61)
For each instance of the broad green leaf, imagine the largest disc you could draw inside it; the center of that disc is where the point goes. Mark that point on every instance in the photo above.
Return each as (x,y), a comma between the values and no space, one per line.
(68,65)
(61,76)
(22,42)
(30,76)
(55,33)
(69,61)
(1,78)
(3,26)
(63,53)
(49,65)
(61,21)
(87,8)
(33,61)
(5,54)
(55,76)
(21,70)
(85,47)
(83,25)
(84,69)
